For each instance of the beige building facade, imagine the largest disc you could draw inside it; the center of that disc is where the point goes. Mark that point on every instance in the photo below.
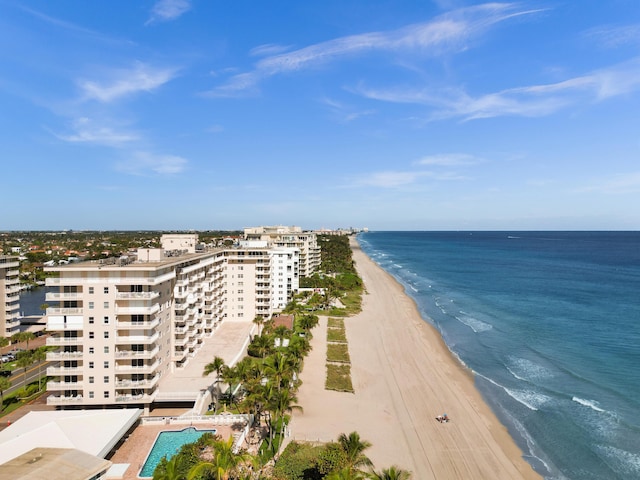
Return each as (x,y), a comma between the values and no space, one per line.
(122,325)
(9,295)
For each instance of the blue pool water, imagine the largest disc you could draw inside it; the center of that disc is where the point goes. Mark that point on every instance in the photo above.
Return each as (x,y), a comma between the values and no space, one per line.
(167,444)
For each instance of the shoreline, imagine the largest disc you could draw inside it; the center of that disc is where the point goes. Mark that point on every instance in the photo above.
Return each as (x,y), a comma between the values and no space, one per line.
(404,376)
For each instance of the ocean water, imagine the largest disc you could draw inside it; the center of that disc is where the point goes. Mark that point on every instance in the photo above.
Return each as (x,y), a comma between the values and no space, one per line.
(550,324)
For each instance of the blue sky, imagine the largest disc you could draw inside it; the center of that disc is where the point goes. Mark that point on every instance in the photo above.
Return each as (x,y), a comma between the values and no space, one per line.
(395,115)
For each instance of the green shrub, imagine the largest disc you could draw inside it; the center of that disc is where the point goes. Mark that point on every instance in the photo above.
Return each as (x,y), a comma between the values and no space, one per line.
(336,335)
(338,352)
(298,462)
(339,378)
(331,458)
(335,322)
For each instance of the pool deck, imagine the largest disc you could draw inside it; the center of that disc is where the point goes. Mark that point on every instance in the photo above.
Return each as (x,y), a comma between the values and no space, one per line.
(137,446)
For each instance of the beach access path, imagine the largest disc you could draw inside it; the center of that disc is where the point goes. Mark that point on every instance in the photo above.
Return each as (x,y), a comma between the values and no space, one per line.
(404,376)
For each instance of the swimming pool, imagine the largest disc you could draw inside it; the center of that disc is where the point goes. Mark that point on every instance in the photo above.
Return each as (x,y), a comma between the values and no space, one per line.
(169,443)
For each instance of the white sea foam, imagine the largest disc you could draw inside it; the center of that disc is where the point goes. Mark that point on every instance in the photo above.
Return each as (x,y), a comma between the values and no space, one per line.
(524,369)
(529,398)
(397,265)
(588,403)
(413,288)
(473,323)
(623,462)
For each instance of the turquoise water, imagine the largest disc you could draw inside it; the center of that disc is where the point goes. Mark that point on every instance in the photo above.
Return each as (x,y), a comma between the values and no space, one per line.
(167,444)
(550,324)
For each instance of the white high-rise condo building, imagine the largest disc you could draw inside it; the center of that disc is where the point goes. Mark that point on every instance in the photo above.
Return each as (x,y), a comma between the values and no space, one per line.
(122,325)
(10,295)
(292,237)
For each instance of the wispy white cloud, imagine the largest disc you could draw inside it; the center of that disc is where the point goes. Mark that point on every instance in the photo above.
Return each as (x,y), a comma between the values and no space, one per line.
(611,36)
(530,101)
(345,113)
(145,163)
(448,160)
(124,82)
(268,49)
(86,130)
(615,185)
(448,32)
(166,10)
(395,179)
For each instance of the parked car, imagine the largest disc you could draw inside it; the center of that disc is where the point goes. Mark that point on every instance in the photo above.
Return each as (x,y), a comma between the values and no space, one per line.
(5,373)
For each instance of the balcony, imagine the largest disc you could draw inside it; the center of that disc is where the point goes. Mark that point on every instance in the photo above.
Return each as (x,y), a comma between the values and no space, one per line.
(137,325)
(139,339)
(61,296)
(61,371)
(128,398)
(138,310)
(64,386)
(142,354)
(180,342)
(135,384)
(137,295)
(64,311)
(122,369)
(61,341)
(62,400)
(61,356)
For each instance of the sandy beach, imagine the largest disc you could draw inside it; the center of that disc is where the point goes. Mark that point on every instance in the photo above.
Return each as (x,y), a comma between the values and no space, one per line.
(404,376)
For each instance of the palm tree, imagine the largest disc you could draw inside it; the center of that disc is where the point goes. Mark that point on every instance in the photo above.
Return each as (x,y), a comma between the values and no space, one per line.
(391,473)
(4,342)
(217,366)
(172,470)
(353,448)
(24,360)
(280,403)
(5,384)
(277,368)
(23,337)
(261,346)
(259,320)
(225,462)
(346,474)
(39,355)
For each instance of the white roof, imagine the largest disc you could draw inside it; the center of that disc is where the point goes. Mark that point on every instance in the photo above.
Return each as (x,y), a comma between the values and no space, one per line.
(92,431)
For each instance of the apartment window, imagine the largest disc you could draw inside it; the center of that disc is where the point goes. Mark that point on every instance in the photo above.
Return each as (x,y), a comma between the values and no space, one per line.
(240,275)
(106,379)
(106,349)
(90,379)
(105,320)
(240,267)
(106,289)
(240,291)
(90,349)
(91,290)
(106,334)
(240,299)
(240,307)
(90,305)
(241,315)
(91,320)
(91,395)
(90,364)
(106,365)
(241,284)
(91,334)
(105,304)
(106,394)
